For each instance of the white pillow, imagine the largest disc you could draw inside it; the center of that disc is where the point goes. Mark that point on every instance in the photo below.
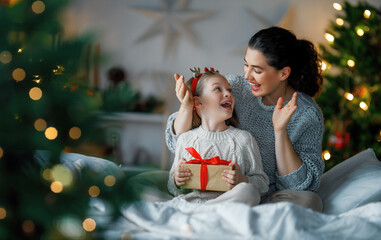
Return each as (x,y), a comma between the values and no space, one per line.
(352,183)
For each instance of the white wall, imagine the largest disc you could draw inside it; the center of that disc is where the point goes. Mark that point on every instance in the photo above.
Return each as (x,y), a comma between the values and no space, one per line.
(222,37)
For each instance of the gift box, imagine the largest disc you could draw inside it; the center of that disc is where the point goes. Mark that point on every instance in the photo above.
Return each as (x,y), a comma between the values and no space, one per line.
(206,173)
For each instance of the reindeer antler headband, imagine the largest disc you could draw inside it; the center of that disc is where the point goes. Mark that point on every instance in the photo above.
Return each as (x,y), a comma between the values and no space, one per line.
(197,75)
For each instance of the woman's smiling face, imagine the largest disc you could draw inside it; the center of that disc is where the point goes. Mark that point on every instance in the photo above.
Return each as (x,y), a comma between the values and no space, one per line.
(265,80)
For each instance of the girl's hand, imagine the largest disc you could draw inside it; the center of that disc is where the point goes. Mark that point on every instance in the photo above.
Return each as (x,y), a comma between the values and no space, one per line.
(233,177)
(182,175)
(282,116)
(183,93)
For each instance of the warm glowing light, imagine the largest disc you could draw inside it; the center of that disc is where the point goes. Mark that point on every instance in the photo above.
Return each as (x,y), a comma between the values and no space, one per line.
(323,66)
(35,93)
(18,74)
(330,38)
(62,174)
(71,228)
(47,174)
(37,78)
(59,70)
(5,57)
(3,213)
(339,21)
(75,133)
(28,226)
(337,6)
(367,13)
(89,224)
(51,133)
(38,7)
(56,187)
(94,191)
(109,180)
(360,32)
(363,106)
(40,124)
(326,155)
(1,152)
(349,96)
(351,63)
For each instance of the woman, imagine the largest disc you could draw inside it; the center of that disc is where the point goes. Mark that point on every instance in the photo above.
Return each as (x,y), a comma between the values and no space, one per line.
(274,103)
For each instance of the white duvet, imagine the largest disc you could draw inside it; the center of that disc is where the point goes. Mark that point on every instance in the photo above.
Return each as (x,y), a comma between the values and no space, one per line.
(178,219)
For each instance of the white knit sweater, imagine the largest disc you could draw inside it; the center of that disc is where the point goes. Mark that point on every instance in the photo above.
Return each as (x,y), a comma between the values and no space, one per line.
(232,144)
(305,130)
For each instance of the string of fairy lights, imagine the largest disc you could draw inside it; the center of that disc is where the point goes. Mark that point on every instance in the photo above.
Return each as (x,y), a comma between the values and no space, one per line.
(360,31)
(59,176)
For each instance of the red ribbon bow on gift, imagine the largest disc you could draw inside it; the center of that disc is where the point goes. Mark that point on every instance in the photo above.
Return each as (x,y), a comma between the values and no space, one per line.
(204,162)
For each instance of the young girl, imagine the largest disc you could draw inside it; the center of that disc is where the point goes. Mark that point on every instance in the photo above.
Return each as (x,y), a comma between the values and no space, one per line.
(212,136)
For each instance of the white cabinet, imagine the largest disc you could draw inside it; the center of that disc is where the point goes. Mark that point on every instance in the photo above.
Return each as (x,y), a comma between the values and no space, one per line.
(139,138)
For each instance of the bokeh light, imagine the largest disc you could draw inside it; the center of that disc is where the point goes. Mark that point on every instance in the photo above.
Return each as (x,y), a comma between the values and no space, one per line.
(339,21)
(363,106)
(35,93)
(326,155)
(1,152)
(110,180)
(47,174)
(351,63)
(3,213)
(62,174)
(18,74)
(94,191)
(38,7)
(330,38)
(337,6)
(28,226)
(5,57)
(89,224)
(71,228)
(40,124)
(367,13)
(51,133)
(75,133)
(56,187)
(360,32)
(349,96)
(323,66)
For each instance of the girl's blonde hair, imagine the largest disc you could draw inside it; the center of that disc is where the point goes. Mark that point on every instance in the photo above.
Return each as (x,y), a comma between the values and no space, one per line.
(196,120)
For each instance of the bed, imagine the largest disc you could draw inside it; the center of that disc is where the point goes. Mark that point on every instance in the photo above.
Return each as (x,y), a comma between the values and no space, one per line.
(351,193)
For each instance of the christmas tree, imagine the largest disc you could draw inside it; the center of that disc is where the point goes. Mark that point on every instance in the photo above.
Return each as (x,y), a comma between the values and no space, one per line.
(351,96)
(46,104)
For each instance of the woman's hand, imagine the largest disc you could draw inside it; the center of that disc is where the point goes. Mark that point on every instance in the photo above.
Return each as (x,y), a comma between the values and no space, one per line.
(233,177)
(183,92)
(282,116)
(182,175)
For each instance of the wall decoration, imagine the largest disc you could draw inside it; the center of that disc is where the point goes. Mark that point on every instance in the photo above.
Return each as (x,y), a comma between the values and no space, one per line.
(285,20)
(173,20)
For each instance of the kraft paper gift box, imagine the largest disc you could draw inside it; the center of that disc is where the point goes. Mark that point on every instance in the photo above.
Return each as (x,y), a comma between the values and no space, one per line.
(214,179)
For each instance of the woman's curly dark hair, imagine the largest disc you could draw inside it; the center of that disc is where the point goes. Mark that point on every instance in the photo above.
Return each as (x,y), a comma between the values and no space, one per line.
(281,48)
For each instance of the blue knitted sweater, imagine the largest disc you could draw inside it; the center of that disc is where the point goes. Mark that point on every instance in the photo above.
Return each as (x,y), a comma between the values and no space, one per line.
(305,130)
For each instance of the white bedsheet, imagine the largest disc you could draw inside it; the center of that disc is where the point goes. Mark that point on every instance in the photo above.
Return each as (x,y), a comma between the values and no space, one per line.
(178,219)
